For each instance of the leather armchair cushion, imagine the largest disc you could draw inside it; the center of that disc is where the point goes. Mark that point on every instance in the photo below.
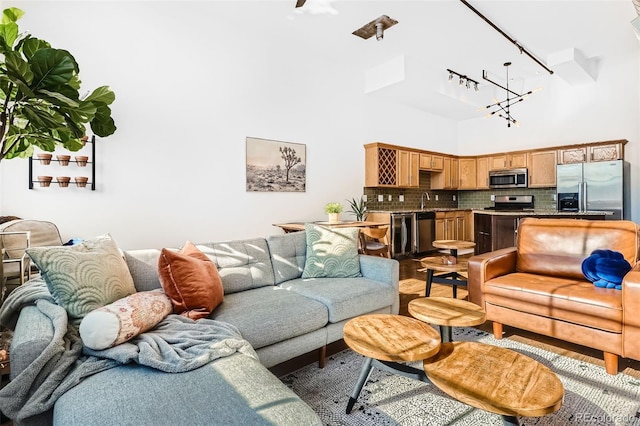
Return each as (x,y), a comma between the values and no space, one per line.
(566,299)
(558,247)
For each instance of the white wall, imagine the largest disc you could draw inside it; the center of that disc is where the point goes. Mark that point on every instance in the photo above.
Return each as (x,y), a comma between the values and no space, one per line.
(192,80)
(563,114)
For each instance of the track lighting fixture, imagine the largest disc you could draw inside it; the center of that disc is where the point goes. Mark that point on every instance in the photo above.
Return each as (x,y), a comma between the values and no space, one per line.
(463,80)
(503,108)
(379,31)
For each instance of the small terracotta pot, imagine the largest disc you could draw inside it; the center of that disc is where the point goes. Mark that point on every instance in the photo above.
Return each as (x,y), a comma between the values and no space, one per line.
(63,181)
(81,181)
(63,159)
(84,140)
(82,160)
(44,158)
(45,180)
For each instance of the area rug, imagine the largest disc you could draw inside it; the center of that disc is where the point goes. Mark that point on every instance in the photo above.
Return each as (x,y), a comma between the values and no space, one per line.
(592,397)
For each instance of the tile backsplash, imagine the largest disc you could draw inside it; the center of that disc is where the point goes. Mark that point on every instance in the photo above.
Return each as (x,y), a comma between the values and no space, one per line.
(468,199)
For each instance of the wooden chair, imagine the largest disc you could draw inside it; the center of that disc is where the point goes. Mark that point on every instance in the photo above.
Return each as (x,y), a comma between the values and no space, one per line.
(373,241)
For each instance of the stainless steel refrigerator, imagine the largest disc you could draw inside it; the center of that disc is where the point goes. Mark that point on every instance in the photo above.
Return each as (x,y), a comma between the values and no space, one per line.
(594,186)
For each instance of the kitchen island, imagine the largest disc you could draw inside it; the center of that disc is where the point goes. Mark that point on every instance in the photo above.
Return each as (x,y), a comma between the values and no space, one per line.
(496,229)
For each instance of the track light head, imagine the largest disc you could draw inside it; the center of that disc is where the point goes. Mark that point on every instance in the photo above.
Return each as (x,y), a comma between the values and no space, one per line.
(379,30)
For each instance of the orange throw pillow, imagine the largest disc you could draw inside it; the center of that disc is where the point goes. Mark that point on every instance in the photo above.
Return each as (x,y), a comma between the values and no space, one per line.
(191,281)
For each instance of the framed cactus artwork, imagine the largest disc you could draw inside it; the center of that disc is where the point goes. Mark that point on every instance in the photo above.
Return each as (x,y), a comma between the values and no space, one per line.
(275,166)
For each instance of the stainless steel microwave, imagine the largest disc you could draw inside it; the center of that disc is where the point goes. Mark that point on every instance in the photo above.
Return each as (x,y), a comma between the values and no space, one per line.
(513,178)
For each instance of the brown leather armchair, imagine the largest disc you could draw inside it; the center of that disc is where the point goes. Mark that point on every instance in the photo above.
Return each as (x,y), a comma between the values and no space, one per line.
(539,285)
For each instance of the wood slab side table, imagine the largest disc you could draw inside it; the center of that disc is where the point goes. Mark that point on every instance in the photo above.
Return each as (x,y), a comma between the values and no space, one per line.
(447,313)
(385,340)
(495,379)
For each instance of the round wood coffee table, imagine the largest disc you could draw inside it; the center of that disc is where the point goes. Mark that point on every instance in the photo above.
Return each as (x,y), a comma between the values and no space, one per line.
(386,339)
(453,245)
(495,379)
(446,313)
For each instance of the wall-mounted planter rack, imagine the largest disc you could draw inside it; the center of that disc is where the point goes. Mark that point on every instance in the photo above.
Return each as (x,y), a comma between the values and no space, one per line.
(79,163)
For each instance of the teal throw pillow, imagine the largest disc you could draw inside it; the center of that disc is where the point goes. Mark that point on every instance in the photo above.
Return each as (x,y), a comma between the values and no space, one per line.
(331,252)
(85,276)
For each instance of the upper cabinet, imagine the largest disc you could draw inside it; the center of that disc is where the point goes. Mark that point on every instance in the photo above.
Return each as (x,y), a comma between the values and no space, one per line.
(508,161)
(386,166)
(607,151)
(482,173)
(467,173)
(408,174)
(542,169)
(448,177)
(431,162)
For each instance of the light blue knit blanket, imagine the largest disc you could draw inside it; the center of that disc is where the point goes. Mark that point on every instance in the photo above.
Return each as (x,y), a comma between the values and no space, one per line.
(175,345)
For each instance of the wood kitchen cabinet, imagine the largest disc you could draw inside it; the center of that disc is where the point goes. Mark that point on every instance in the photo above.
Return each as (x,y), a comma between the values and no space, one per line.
(482,173)
(381,166)
(493,232)
(592,153)
(572,155)
(508,161)
(606,152)
(542,169)
(408,172)
(452,225)
(467,173)
(448,178)
(431,162)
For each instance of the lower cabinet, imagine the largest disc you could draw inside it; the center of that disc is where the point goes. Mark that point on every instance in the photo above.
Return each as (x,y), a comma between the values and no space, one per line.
(453,225)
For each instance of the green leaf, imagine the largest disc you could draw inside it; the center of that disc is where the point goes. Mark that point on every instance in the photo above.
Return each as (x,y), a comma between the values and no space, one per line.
(59,99)
(102,124)
(40,117)
(9,34)
(11,14)
(52,68)
(30,45)
(17,68)
(102,94)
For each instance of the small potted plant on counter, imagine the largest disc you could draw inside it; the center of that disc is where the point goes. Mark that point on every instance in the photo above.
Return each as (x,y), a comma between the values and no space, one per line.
(333,210)
(358,208)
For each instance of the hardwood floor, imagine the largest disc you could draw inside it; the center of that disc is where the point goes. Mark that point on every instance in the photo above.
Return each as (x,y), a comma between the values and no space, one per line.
(412,285)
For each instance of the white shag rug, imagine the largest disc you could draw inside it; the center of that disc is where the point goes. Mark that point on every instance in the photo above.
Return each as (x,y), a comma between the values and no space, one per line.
(592,397)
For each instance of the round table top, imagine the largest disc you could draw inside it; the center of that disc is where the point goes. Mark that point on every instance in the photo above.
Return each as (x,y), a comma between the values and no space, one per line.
(453,244)
(437,264)
(446,311)
(391,337)
(495,379)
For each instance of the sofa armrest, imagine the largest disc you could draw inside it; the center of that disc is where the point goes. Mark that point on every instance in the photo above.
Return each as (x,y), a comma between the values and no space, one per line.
(383,270)
(32,335)
(486,266)
(630,317)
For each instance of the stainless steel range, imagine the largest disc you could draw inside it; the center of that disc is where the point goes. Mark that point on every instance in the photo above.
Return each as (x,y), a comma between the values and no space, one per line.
(512,203)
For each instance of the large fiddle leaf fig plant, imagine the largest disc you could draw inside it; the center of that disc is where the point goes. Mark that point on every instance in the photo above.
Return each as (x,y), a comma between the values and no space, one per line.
(40,104)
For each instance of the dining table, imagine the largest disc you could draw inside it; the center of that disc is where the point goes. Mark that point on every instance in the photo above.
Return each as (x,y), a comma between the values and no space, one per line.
(299,226)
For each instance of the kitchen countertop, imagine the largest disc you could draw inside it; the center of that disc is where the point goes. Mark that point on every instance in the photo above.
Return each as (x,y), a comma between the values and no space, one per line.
(542,212)
(534,212)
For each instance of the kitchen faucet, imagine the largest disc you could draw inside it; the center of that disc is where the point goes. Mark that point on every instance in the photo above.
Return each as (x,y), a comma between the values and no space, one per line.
(422,199)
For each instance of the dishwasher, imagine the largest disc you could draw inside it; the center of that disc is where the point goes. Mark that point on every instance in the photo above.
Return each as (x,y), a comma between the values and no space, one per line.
(425,231)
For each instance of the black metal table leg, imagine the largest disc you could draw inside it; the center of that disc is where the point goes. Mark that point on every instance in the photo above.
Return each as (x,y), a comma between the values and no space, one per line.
(446,333)
(510,420)
(362,379)
(427,290)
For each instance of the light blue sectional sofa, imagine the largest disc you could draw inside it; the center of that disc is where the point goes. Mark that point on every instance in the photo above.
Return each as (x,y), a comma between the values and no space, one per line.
(281,314)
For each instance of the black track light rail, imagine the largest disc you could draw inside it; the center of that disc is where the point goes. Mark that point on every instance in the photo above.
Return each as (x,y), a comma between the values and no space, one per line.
(518,45)
(463,77)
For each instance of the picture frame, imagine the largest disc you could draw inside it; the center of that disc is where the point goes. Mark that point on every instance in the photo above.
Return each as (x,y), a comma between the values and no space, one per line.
(275,166)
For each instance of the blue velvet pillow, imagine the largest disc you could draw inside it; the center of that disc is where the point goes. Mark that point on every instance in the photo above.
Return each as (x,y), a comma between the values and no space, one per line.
(605,268)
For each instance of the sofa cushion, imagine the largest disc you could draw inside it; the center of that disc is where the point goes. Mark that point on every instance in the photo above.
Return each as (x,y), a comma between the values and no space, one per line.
(331,252)
(567,299)
(124,319)
(557,247)
(345,298)
(85,276)
(234,390)
(242,264)
(288,254)
(143,265)
(271,314)
(191,281)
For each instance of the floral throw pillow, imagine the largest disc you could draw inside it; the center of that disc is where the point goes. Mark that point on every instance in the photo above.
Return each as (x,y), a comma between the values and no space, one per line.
(331,252)
(124,319)
(85,276)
